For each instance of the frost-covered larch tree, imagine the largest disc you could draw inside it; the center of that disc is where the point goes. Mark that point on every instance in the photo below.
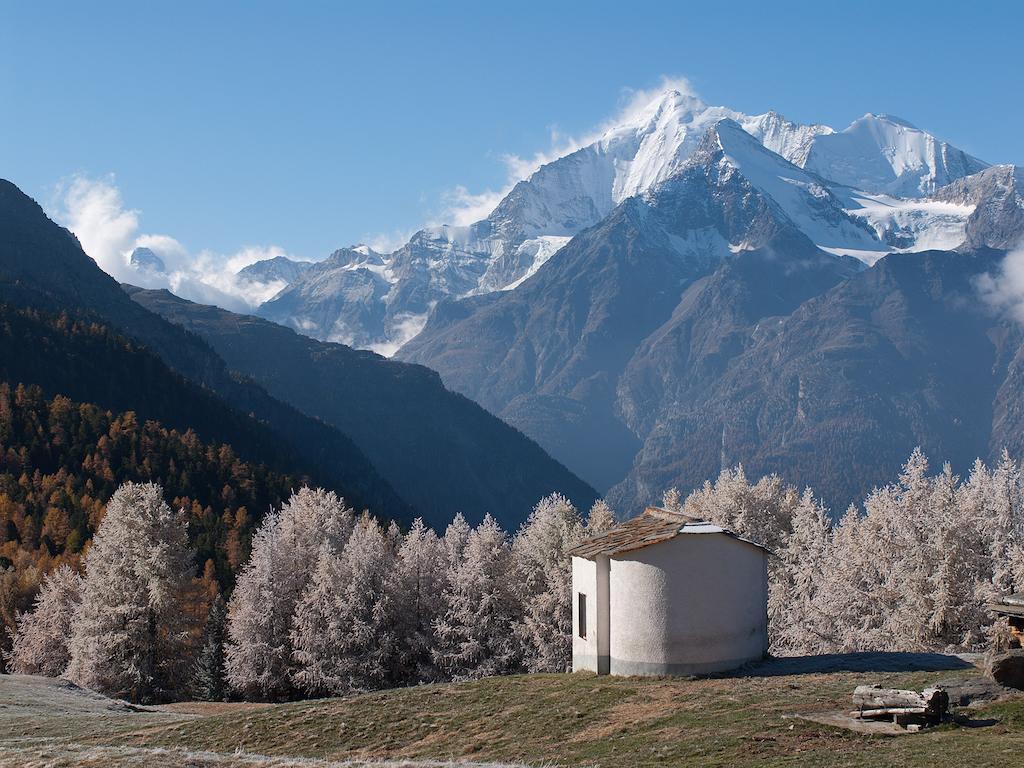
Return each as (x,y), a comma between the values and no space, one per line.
(843,592)
(543,580)
(601,518)
(797,623)
(1002,514)
(961,563)
(914,572)
(40,644)
(907,585)
(760,512)
(344,635)
(314,632)
(870,563)
(476,632)
(454,541)
(415,596)
(130,634)
(258,659)
(672,500)
(994,500)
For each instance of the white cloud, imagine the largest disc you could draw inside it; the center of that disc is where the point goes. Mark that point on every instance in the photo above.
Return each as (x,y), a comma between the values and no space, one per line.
(462,207)
(94,210)
(1004,291)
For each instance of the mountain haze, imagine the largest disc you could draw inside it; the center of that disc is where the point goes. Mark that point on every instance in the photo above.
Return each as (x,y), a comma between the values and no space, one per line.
(440,451)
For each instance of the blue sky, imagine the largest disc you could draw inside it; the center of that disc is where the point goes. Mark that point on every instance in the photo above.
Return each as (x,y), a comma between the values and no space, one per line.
(312,125)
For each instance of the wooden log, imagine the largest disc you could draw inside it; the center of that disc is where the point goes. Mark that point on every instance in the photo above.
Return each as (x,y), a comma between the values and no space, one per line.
(873,697)
(873,701)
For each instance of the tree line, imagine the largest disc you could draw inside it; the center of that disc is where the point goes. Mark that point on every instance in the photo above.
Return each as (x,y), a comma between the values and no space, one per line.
(913,569)
(331,601)
(61,460)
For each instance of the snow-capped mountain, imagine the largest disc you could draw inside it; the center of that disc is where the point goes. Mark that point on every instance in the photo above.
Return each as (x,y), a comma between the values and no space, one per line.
(550,356)
(718,318)
(885,154)
(857,192)
(278,269)
(145,260)
(341,298)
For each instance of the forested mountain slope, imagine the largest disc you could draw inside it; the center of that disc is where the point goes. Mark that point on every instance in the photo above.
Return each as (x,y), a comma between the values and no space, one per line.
(60,460)
(442,452)
(43,267)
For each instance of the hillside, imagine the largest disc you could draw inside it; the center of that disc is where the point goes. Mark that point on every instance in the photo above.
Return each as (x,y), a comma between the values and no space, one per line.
(43,268)
(837,392)
(440,451)
(535,720)
(60,460)
(84,360)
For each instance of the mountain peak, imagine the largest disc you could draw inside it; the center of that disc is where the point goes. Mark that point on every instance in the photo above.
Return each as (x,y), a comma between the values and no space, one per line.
(672,102)
(653,140)
(886,154)
(355,254)
(145,259)
(728,129)
(893,119)
(275,269)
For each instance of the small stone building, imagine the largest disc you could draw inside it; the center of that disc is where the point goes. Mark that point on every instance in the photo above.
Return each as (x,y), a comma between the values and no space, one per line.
(665,594)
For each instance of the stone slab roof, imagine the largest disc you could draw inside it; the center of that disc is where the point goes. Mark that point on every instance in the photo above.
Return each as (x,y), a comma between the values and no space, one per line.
(653,526)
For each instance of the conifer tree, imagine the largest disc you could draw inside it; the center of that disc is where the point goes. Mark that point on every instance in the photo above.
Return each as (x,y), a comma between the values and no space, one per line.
(843,592)
(207,683)
(344,635)
(476,631)
(1002,514)
(797,621)
(543,580)
(601,518)
(314,631)
(760,512)
(672,500)
(259,660)
(455,537)
(40,644)
(958,564)
(416,588)
(130,634)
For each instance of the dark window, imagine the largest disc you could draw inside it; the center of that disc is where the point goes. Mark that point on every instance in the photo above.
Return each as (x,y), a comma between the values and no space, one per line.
(582,615)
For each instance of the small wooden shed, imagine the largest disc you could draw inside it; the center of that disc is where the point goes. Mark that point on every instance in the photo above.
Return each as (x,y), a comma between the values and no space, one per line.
(1012,608)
